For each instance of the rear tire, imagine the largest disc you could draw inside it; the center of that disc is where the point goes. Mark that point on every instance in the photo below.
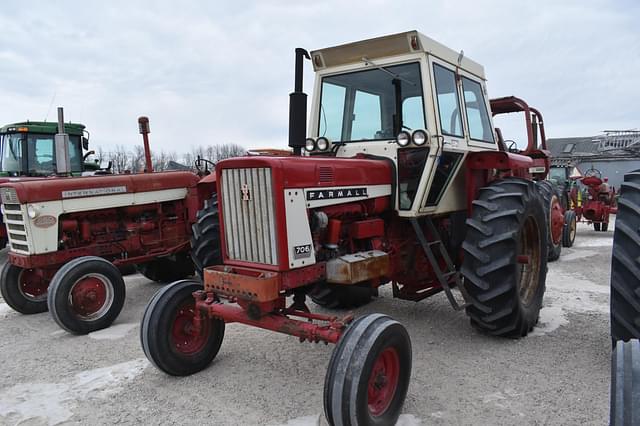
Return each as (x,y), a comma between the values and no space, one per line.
(625,264)
(167,269)
(166,331)
(551,199)
(506,229)
(86,294)
(23,289)
(368,374)
(205,241)
(570,228)
(625,384)
(337,296)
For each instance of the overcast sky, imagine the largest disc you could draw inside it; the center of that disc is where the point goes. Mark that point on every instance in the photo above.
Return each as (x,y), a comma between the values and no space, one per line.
(214,72)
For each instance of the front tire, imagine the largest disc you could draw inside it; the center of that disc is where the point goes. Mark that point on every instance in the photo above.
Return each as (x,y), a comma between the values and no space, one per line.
(505,258)
(551,199)
(596,227)
(625,384)
(205,241)
(86,294)
(368,374)
(24,290)
(570,228)
(625,264)
(167,336)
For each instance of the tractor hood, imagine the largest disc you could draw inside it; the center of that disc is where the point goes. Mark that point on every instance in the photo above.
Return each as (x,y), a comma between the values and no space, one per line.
(307,172)
(38,190)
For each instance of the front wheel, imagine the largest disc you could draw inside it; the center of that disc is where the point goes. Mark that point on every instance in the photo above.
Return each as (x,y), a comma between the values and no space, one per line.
(86,294)
(368,374)
(167,334)
(570,228)
(24,290)
(505,258)
(596,226)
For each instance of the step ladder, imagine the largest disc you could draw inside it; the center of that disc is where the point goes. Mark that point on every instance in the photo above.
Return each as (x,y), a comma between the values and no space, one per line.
(450,278)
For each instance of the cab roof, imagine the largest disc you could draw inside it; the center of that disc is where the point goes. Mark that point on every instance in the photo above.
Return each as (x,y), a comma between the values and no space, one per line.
(43,127)
(391,45)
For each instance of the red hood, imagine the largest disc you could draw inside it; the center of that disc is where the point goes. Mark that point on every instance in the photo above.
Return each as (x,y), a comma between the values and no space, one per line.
(31,190)
(308,172)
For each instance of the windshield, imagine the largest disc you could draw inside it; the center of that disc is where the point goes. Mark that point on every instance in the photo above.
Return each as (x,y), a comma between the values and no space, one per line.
(40,154)
(371,105)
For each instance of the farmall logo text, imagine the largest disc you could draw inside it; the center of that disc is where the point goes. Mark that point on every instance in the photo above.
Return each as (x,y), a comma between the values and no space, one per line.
(330,194)
(246,195)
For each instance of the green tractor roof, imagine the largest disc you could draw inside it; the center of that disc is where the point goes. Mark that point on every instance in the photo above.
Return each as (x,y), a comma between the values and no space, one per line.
(42,127)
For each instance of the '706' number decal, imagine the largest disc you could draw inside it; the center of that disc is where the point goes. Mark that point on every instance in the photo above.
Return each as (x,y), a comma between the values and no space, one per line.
(300,252)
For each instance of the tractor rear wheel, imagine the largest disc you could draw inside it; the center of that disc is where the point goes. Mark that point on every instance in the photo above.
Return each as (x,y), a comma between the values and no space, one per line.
(24,290)
(337,296)
(167,269)
(551,199)
(86,294)
(505,258)
(368,374)
(625,264)
(570,228)
(205,241)
(625,384)
(167,333)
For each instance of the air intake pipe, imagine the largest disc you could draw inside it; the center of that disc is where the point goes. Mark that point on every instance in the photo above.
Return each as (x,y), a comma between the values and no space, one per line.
(298,107)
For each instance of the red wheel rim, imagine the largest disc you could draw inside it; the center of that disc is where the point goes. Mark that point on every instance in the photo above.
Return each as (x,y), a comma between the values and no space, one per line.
(32,285)
(91,296)
(556,220)
(184,337)
(383,381)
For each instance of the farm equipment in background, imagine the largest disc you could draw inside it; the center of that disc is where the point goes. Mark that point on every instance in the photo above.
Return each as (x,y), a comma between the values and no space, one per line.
(597,202)
(402,175)
(67,237)
(28,151)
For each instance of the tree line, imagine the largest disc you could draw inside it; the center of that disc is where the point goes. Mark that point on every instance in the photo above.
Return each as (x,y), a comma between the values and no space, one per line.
(131,160)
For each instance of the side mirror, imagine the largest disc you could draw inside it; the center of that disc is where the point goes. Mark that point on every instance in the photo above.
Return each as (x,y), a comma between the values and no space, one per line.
(85,143)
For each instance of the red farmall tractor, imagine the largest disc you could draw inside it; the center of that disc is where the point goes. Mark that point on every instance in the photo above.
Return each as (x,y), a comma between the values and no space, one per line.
(596,203)
(403,182)
(68,236)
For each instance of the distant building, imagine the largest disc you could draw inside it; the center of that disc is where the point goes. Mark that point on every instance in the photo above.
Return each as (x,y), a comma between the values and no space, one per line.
(614,153)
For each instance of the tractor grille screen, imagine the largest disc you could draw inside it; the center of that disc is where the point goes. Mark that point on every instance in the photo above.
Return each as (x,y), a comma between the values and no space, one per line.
(248,214)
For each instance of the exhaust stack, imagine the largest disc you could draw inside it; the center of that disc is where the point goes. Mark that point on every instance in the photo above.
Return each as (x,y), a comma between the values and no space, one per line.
(63,163)
(143,126)
(298,107)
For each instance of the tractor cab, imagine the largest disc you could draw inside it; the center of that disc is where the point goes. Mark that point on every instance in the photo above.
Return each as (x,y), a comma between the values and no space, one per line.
(28,148)
(410,100)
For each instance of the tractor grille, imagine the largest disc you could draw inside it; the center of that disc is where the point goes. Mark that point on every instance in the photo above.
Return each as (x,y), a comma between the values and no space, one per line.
(14,221)
(248,212)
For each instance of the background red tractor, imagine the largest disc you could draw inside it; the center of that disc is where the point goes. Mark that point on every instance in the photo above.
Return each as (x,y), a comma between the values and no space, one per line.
(404,181)
(68,236)
(597,202)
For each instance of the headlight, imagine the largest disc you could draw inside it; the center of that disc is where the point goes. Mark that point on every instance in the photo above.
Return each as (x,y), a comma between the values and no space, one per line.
(403,138)
(322,143)
(419,137)
(32,211)
(310,144)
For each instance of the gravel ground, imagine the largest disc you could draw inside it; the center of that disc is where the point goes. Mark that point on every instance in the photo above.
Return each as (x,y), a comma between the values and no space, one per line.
(557,375)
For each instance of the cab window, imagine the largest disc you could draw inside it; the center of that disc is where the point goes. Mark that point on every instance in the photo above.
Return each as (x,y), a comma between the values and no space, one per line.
(448,101)
(477,116)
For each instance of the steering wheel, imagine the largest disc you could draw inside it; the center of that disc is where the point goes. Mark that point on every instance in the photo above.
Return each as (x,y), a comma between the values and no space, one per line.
(593,172)
(198,164)
(512,146)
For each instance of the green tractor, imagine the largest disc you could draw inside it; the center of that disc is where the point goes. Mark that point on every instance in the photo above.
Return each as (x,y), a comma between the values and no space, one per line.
(27,149)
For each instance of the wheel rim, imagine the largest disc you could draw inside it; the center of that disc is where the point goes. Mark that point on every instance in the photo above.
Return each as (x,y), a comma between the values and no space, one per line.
(91,296)
(184,338)
(528,261)
(383,381)
(556,220)
(32,286)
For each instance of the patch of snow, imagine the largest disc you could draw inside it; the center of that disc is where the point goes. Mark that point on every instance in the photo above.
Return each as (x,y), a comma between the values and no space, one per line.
(408,420)
(117,331)
(52,403)
(567,293)
(6,311)
(575,254)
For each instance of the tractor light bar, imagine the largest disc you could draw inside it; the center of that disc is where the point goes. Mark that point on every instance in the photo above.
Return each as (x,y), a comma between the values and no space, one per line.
(419,137)
(322,143)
